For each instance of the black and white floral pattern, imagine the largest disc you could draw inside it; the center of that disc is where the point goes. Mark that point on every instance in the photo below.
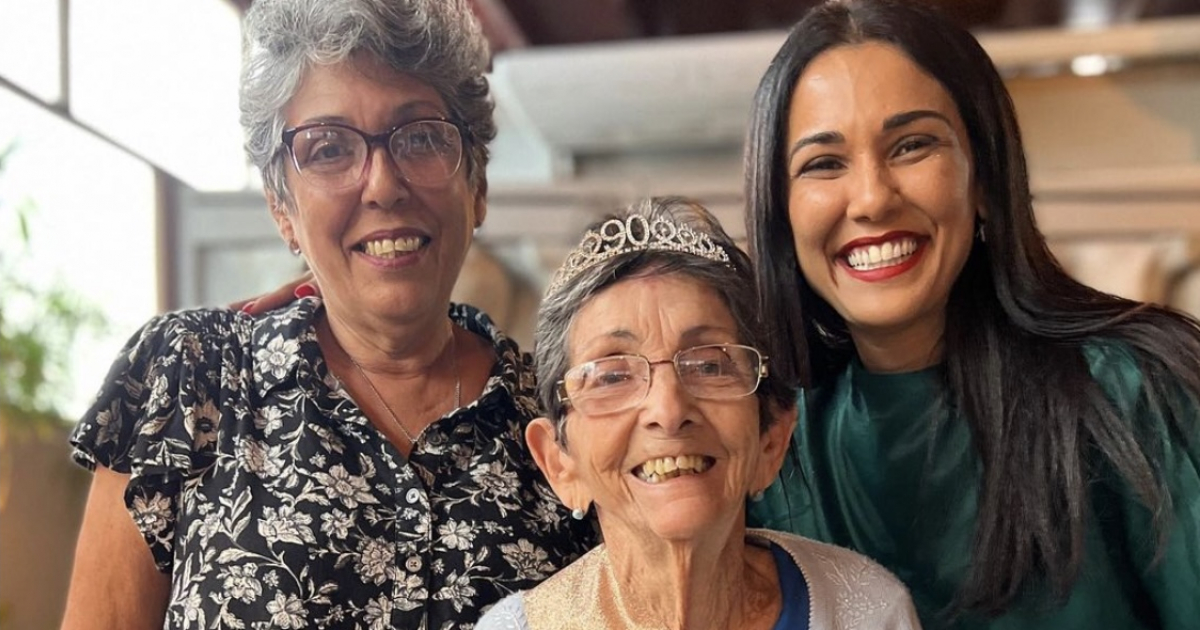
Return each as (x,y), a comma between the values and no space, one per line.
(274,503)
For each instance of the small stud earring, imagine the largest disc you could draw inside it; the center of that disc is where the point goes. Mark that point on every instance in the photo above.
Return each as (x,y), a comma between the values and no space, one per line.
(755,497)
(294,247)
(578,514)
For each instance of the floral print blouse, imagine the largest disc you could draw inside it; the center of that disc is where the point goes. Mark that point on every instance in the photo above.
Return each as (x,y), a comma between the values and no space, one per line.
(272,502)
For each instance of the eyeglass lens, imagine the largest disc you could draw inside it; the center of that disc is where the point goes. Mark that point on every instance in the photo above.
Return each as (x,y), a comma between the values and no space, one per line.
(615,383)
(426,152)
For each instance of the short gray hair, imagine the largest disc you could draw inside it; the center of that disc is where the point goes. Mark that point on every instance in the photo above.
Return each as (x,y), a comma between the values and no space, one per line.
(733,281)
(436,41)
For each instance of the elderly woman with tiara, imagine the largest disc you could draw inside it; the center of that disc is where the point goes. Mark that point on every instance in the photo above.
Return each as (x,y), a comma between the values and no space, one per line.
(662,419)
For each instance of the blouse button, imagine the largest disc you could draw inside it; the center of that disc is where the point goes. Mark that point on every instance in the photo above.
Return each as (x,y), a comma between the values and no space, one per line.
(413,564)
(413,495)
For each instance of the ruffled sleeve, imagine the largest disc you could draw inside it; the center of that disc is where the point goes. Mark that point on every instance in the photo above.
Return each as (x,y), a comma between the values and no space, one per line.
(157,415)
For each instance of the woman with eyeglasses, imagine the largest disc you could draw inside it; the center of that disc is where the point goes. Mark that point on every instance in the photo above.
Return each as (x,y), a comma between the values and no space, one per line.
(354,461)
(662,419)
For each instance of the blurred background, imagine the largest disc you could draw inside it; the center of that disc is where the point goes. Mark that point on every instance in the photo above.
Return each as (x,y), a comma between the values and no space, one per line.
(124,191)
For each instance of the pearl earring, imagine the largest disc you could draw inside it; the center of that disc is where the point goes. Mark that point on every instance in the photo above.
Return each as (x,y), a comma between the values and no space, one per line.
(578,514)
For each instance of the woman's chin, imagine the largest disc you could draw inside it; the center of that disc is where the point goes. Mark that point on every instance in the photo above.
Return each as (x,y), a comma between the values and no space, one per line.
(687,529)
(402,301)
(685,516)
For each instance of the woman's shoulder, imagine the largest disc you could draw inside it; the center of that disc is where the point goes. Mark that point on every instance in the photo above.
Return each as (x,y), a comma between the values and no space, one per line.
(195,331)
(476,321)
(180,338)
(197,321)
(812,554)
(513,371)
(844,584)
(1110,357)
(164,368)
(1125,373)
(575,590)
(479,322)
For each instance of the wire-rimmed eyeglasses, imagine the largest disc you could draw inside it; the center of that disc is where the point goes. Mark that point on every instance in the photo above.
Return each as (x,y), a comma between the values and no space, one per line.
(427,152)
(616,383)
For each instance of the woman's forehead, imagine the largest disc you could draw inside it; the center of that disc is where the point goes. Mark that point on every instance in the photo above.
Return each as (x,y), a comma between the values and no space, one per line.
(667,309)
(360,88)
(867,82)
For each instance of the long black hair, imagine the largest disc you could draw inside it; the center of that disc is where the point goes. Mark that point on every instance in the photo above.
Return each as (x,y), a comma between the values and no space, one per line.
(1016,323)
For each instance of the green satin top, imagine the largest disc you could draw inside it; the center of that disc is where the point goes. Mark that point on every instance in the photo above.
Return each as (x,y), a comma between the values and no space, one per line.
(880,465)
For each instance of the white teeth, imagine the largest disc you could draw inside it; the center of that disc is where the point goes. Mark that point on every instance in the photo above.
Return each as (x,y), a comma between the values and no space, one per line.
(878,256)
(389,248)
(664,468)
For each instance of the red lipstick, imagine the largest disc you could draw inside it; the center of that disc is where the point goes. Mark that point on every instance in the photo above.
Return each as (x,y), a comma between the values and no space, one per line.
(882,273)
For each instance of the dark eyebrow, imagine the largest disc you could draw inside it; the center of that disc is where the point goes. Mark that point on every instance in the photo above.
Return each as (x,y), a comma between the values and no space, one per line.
(893,122)
(821,137)
(899,120)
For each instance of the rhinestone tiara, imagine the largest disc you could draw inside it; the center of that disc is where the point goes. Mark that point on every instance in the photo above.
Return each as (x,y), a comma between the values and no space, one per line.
(634,233)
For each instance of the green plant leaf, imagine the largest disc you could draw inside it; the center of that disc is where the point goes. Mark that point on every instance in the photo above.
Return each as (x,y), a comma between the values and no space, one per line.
(39,323)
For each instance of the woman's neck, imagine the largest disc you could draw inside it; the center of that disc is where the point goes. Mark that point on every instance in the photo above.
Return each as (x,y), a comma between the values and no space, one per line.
(385,347)
(912,348)
(676,585)
(402,381)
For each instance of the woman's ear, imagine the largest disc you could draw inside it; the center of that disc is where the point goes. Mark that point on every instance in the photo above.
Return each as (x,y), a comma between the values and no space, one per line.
(481,201)
(775,442)
(283,219)
(556,463)
(981,209)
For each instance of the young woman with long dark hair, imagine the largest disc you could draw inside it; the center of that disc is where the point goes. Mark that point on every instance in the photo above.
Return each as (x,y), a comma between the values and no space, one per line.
(1020,449)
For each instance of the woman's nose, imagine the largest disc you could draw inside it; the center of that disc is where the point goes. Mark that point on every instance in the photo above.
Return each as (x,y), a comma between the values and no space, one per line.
(384,185)
(668,405)
(873,194)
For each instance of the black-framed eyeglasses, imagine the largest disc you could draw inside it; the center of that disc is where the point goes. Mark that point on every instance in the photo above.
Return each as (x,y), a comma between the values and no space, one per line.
(620,382)
(427,152)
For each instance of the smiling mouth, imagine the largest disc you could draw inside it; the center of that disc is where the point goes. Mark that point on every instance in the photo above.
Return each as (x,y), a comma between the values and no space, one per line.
(891,253)
(663,468)
(391,248)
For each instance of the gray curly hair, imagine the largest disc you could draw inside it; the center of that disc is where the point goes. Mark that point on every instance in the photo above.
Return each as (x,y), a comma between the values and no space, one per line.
(733,281)
(436,41)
